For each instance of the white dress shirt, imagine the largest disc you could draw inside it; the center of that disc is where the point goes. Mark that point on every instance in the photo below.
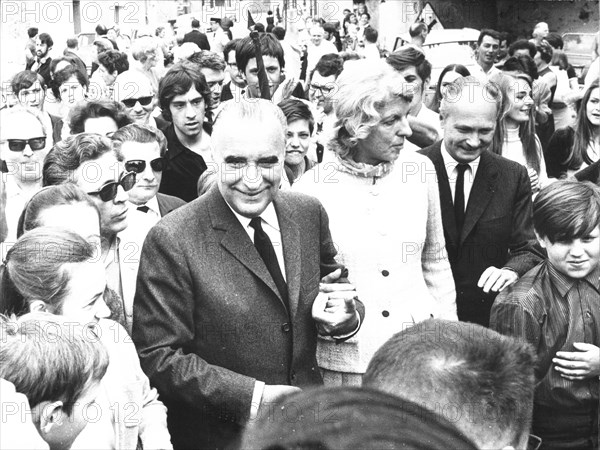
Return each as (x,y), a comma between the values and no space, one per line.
(450,163)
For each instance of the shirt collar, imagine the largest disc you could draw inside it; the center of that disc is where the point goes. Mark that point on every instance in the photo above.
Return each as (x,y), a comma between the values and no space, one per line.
(564,283)
(152,204)
(269,216)
(450,163)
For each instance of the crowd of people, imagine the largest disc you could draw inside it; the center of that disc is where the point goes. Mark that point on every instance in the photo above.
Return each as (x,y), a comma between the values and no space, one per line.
(253,242)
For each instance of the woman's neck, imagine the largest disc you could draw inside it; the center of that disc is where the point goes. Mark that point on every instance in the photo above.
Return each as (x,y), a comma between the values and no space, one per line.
(298,169)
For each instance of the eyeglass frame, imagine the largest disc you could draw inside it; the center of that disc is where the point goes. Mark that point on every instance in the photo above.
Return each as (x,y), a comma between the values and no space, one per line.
(160,159)
(27,142)
(138,99)
(114,186)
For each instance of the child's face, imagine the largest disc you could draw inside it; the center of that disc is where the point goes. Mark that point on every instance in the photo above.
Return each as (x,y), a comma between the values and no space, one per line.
(576,258)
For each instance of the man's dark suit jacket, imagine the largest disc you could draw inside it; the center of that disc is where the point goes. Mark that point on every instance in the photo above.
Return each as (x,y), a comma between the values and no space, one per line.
(168,203)
(197,38)
(590,173)
(208,318)
(497,231)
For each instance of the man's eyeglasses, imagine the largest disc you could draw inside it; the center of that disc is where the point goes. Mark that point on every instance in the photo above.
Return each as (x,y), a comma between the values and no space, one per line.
(18,145)
(108,192)
(139,165)
(325,90)
(144,101)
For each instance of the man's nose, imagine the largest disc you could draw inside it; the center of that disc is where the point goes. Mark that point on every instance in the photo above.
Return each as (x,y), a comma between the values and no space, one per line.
(122,195)
(27,151)
(101,309)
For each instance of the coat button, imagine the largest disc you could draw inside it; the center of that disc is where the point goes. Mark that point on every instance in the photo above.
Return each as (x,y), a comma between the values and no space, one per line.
(286,327)
(385,313)
(385,273)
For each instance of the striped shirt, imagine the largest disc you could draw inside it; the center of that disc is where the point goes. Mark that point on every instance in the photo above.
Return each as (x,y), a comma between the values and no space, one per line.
(552,311)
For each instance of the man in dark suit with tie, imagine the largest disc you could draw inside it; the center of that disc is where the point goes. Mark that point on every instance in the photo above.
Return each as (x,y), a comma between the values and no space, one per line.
(197,37)
(485,200)
(234,287)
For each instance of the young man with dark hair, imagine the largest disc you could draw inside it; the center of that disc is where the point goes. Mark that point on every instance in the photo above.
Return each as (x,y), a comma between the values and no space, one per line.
(488,45)
(184,97)
(212,65)
(41,63)
(60,376)
(236,86)
(197,37)
(556,308)
(482,381)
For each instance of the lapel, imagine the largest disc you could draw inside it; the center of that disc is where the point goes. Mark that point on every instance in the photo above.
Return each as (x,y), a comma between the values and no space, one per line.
(290,238)
(236,241)
(446,202)
(482,191)
(162,210)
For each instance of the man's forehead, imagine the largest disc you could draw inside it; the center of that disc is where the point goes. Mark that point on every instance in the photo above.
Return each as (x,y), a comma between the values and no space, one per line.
(319,79)
(189,95)
(139,150)
(134,88)
(489,40)
(212,74)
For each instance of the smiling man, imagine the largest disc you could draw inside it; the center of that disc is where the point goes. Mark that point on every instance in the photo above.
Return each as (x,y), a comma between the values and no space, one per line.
(488,46)
(227,305)
(485,200)
(184,96)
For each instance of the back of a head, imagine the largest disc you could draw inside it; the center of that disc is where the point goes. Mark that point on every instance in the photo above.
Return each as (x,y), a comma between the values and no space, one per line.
(72,43)
(32,32)
(101,30)
(279,33)
(416,29)
(545,51)
(351,417)
(330,64)
(479,379)
(522,44)
(371,35)
(195,23)
(521,64)
(50,358)
(567,210)
(67,155)
(555,40)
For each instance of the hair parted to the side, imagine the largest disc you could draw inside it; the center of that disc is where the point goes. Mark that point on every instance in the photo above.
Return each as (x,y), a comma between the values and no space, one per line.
(295,109)
(351,417)
(49,358)
(67,155)
(49,197)
(114,60)
(269,46)
(85,110)
(36,268)
(208,60)
(364,90)
(178,81)
(473,87)
(486,379)
(142,134)
(566,210)
(488,32)
(411,57)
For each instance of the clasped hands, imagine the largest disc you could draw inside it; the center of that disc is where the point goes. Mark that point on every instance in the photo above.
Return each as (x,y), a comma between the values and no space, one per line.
(334,309)
(579,365)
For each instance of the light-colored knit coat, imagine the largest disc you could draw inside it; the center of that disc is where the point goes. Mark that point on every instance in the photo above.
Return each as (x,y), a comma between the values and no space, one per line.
(388,231)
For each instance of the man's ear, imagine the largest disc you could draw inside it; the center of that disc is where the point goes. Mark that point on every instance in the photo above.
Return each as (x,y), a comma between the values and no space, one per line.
(51,414)
(115,73)
(38,306)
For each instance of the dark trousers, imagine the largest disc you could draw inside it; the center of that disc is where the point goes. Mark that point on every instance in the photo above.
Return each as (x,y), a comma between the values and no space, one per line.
(566,429)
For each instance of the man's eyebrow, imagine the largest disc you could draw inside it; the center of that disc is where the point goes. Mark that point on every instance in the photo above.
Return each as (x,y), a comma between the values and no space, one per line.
(235,159)
(268,160)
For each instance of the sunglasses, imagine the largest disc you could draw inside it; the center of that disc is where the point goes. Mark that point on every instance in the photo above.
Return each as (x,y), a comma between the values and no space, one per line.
(108,192)
(18,145)
(325,90)
(139,165)
(144,101)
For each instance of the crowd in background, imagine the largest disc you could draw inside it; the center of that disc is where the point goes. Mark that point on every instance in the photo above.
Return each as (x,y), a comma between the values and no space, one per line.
(199,230)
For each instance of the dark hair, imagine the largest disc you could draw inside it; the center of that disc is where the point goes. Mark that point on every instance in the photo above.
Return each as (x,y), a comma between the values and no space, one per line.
(67,155)
(48,197)
(83,111)
(270,46)
(259,27)
(488,32)
(329,64)
(566,210)
(545,51)
(371,35)
(583,133)
(555,41)
(521,64)
(417,28)
(62,76)
(114,60)
(351,417)
(505,36)
(442,362)
(208,60)
(101,30)
(24,80)
(158,30)
(195,23)
(49,358)
(458,68)
(178,81)
(32,32)
(295,109)
(45,38)
(72,60)
(35,268)
(279,33)
(522,44)
(72,43)
(143,134)
(229,47)
(411,57)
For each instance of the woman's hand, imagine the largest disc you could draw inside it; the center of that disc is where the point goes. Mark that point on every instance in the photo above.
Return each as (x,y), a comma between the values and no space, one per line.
(534,179)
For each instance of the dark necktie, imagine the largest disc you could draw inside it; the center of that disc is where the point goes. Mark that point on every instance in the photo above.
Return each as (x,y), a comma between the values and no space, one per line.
(459,197)
(267,253)
(143,209)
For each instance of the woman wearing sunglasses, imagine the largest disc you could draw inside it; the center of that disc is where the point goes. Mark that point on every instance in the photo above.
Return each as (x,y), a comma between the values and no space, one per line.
(89,161)
(24,147)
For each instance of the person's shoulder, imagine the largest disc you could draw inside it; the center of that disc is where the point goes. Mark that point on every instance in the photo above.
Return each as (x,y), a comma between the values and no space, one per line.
(170,200)
(528,290)
(298,199)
